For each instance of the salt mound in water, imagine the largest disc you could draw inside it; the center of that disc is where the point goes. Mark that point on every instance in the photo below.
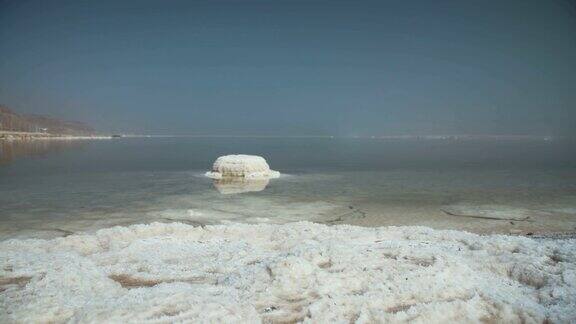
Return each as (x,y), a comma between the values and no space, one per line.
(247,166)
(299,272)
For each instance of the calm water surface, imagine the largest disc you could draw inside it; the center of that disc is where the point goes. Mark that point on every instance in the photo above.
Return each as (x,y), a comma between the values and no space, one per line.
(54,188)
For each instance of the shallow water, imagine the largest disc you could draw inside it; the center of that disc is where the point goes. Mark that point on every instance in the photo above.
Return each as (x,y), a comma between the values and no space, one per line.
(54,188)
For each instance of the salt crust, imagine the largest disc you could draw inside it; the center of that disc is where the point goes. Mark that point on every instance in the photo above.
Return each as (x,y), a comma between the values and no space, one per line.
(247,166)
(294,272)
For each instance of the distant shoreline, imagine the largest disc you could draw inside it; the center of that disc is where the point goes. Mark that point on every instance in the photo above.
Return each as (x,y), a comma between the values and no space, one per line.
(460,137)
(27,136)
(11,135)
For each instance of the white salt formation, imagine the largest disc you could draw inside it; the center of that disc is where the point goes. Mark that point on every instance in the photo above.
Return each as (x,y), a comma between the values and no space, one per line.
(247,166)
(299,272)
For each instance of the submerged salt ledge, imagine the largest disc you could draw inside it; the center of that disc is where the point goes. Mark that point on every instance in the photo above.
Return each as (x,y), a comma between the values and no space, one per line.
(294,272)
(247,166)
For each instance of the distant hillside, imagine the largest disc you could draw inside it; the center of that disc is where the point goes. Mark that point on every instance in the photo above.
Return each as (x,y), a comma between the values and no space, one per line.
(11,121)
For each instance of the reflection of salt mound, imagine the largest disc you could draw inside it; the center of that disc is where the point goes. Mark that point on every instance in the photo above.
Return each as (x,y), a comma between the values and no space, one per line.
(299,272)
(247,166)
(235,185)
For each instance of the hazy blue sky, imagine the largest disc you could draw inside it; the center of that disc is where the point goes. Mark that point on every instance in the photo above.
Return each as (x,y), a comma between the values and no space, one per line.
(294,67)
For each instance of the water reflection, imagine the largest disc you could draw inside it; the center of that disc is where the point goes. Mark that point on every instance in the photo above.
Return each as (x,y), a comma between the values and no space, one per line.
(12,150)
(236,185)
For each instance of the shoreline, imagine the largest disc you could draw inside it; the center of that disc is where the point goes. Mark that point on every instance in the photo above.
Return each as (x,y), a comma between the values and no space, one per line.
(23,136)
(63,229)
(213,208)
(19,136)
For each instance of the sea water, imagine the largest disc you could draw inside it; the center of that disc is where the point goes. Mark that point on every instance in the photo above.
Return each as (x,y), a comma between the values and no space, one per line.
(55,188)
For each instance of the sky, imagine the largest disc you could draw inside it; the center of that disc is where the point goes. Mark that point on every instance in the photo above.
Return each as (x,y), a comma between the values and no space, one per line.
(290,67)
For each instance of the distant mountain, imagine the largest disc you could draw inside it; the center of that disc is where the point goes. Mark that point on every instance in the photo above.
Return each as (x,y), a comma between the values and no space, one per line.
(11,121)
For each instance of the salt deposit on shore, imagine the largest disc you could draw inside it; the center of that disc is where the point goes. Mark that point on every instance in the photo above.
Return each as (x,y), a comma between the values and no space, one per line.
(247,166)
(293,272)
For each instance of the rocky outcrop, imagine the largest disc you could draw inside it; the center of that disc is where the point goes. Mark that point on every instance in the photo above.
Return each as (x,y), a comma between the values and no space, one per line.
(13,122)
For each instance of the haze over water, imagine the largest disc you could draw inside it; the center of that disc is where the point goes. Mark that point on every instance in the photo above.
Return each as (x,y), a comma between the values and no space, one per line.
(94,184)
(405,133)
